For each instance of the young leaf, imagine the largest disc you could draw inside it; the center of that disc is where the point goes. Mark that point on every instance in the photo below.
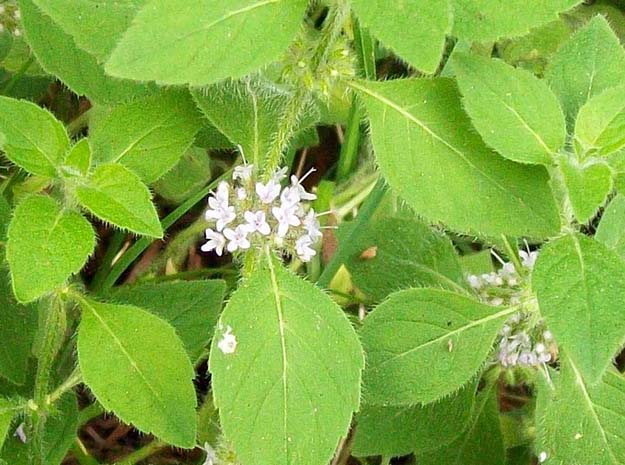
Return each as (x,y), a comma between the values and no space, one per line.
(588,186)
(581,424)
(429,153)
(285,329)
(397,253)
(220,39)
(117,195)
(611,230)
(31,137)
(147,136)
(18,325)
(590,62)
(46,246)
(480,444)
(489,20)
(424,344)
(58,54)
(514,111)
(136,366)
(191,307)
(579,282)
(415,29)
(397,431)
(78,159)
(600,124)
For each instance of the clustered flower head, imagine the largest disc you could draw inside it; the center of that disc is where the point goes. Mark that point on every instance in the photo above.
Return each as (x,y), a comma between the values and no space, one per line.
(524,340)
(10,17)
(250,213)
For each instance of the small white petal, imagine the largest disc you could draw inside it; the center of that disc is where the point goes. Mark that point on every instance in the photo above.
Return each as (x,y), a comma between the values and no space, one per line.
(228,342)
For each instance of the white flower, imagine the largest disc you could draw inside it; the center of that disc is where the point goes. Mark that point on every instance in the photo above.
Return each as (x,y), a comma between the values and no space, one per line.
(224,215)
(285,214)
(257,222)
(312,226)
(228,342)
(279,174)
(542,457)
(267,193)
(243,172)
(211,456)
(241,193)
(220,197)
(215,242)
(298,191)
(528,259)
(303,249)
(21,435)
(474,281)
(237,237)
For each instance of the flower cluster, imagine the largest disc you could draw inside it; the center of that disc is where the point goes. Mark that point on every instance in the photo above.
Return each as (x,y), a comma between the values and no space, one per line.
(249,213)
(524,340)
(10,16)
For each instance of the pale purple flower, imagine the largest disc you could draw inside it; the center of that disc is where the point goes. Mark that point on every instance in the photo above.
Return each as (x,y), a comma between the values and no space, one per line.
(267,193)
(304,249)
(279,174)
(312,226)
(243,172)
(237,238)
(286,216)
(224,215)
(528,259)
(257,222)
(215,242)
(228,342)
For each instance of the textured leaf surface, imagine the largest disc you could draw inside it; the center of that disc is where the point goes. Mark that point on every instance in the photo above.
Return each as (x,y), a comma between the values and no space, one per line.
(591,61)
(5,217)
(414,29)
(588,186)
(486,20)
(191,307)
(58,54)
(6,416)
(579,424)
(579,284)
(31,137)
(136,366)
(78,159)
(219,39)
(428,152)
(424,344)
(295,371)
(514,111)
(191,173)
(600,124)
(147,136)
(403,252)
(611,230)
(57,241)
(117,195)
(397,431)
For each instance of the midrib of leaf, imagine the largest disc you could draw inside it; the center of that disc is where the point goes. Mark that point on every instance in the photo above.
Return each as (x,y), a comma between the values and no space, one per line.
(466,327)
(410,117)
(582,272)
(437,274)
(278,301)
(591,406)
(605,126)
(25,136)
(141,138)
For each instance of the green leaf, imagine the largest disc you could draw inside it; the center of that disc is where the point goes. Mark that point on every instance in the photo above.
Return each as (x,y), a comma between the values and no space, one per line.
(590,62)
(396,253)
(220,39)
(78,159)
(579,284)
(147,136)
(480,444)
(46,246)
(95,25)
(611,230)
(489,20)
(581,424)
(286,330)
(514,111)
(425,344)
(190,174)
(32,137)
(58,54)
(588,185)
(429,153)
(18,325)
(6,417)
(117,195)
(136,366)
(416,30)
(397,431)
(191,307)
(600,124)
(5,217)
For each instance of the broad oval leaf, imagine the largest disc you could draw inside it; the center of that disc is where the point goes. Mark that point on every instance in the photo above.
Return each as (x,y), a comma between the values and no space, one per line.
(415,29)
(46,246)
(147,136)
(429,153)
(579,283)
(117,195)
(588,186)
(136,366)
(514,111)
(424,344)
(31,137)
(287,392)
(204,41)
